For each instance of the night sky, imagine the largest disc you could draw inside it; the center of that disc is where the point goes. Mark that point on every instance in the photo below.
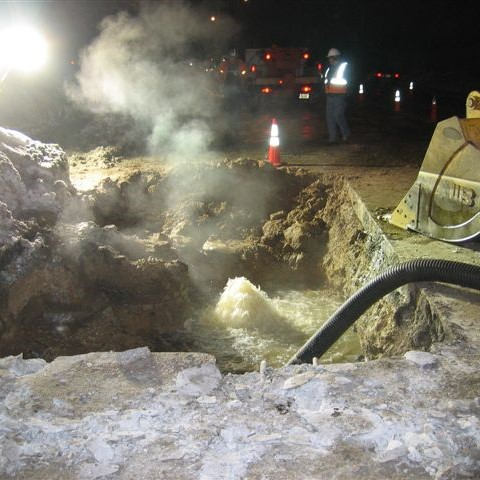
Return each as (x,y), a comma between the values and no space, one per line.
(407,35)
(414,35)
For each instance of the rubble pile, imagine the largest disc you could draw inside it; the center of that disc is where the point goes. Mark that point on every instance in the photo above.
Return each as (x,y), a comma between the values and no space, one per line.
(227,219)
(67,285)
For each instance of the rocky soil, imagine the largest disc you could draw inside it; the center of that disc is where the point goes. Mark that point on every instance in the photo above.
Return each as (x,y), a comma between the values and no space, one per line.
(123,264)
(119,257)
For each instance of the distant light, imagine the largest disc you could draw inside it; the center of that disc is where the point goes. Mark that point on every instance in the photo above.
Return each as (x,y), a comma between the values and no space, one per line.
(397,75)
(360,88)
(397,96)
(433,110)
(22,48)
(266,90)
(213,18)
(280,82)
(306,56)
(410,87)
(379,75)
(306,89)
(268,56)
(319,67)
(253,68)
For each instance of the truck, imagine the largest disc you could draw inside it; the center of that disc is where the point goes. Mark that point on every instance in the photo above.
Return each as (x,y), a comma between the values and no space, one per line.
(287,73)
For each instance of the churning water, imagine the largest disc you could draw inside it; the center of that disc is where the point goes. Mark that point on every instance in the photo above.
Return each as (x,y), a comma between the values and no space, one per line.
(247,326)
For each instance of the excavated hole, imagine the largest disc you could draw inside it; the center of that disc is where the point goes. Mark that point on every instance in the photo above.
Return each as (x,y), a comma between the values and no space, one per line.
(146,264)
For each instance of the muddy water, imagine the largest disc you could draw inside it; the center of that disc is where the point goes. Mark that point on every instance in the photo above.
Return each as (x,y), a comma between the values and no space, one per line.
(246,326)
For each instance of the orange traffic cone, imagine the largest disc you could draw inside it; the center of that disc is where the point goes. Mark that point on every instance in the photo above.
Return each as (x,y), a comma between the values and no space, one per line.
(274,150)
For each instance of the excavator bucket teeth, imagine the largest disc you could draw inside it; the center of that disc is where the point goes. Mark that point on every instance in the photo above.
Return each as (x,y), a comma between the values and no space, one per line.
(444,201)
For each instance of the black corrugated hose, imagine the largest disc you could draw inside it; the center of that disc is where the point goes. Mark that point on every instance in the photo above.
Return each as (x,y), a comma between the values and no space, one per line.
(422,270)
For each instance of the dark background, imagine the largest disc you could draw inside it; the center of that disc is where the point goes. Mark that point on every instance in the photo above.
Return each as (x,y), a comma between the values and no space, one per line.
(406,35)
(433,42)
(414,35)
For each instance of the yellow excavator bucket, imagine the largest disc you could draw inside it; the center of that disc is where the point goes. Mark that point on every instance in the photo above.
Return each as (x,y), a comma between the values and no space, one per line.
(444,201)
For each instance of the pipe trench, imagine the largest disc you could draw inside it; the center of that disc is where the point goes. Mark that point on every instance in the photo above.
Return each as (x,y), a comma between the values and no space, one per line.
(420,270)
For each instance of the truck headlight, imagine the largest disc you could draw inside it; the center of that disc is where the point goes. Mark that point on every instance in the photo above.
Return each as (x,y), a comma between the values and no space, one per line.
(22,48)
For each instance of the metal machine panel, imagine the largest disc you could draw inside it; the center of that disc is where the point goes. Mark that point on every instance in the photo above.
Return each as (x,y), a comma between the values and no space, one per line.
(444,201)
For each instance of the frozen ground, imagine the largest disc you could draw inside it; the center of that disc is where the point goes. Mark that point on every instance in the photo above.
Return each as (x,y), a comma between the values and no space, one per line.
(144,415)
(140,414)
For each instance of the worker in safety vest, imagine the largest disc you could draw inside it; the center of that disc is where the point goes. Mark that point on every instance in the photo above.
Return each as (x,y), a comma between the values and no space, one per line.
(232,70)
(336,93)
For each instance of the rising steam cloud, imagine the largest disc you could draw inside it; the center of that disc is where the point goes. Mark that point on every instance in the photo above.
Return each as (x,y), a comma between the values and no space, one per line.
(138,66)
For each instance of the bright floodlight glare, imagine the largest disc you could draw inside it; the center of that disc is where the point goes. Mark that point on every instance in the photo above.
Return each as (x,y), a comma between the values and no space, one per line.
(22,48)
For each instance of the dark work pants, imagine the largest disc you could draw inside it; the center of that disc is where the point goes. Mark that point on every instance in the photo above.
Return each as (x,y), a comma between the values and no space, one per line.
(335,112)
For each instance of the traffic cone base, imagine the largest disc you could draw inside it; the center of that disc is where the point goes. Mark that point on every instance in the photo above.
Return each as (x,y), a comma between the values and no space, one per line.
(274,156)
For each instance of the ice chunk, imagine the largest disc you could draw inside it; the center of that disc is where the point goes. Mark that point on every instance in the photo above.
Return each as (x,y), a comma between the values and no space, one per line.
(198,381)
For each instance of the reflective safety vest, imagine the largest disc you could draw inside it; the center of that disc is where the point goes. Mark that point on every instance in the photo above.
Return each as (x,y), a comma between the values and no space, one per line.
(336,83)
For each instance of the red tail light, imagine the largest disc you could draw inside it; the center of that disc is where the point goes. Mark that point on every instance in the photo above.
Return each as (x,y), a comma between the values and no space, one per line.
(253,68)
(266,90)
(268,56)
(397,75)
(379,75)
(306,89)
(319,67)
(280,82)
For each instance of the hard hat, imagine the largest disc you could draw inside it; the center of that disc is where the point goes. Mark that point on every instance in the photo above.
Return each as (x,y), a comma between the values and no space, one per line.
(333,52)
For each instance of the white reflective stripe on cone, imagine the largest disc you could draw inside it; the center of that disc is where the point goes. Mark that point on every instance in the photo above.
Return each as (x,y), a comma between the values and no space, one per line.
(274,131)
(274,142)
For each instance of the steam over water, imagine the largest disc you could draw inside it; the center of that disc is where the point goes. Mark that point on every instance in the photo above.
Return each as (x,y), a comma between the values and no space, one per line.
(139,69)
(247,326)
(148,68)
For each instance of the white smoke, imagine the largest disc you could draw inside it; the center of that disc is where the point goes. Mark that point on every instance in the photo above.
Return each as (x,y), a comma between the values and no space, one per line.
(139,66)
